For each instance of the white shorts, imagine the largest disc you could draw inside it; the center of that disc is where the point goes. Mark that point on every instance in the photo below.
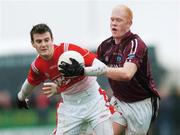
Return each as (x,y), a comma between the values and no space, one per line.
(87,106)
(135,116)
(85,129)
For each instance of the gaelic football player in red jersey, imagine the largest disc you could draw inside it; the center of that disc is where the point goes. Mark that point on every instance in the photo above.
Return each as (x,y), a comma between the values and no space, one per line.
(129,73)
(82,101)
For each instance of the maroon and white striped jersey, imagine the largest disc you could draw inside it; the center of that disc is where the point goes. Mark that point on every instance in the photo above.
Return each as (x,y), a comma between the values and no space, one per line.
(131,49)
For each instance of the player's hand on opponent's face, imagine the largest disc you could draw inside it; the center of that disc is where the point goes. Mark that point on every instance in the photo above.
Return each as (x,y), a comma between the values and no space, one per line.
(50,89)
(70,70)
(22,104)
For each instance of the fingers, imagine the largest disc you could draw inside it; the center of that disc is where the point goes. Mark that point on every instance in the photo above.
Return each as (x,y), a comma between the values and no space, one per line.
(26,106)
(47,92)
(62,71)
(74,62)
(48,84)
(49,89)
(46,88)
(64,64)
(62,67)
(27,100)
(49,95)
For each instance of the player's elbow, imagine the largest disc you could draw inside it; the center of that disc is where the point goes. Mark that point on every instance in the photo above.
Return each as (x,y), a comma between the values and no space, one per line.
(123,77)
(127,76)
(119,74)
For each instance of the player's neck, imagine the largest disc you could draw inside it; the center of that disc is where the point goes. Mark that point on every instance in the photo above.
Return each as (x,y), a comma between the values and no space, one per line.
(49,56)
(117,41)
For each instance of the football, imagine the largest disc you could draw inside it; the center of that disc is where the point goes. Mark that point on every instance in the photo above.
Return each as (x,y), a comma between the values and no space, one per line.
(70,54)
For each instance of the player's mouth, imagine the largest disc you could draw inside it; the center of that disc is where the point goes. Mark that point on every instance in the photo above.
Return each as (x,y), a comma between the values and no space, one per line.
(44,49)
(114,29)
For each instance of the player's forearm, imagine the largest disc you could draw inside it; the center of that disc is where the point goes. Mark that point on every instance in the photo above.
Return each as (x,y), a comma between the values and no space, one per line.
(25,91)
(118,74)
(124,73)
(97,68)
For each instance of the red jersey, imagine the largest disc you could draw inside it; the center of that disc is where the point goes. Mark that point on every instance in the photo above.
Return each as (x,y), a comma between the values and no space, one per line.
(42,70)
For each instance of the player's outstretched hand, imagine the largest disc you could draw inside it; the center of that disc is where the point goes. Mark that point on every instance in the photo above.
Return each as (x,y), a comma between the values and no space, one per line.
(22,104)
(71,70)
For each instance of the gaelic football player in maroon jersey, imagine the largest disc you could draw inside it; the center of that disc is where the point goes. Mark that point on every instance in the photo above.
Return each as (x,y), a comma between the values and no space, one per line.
(129,73)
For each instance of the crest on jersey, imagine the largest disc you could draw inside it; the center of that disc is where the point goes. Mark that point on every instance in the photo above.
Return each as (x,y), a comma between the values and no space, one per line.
(119,58)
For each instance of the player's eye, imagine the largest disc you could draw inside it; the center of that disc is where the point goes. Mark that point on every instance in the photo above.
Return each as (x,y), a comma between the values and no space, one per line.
(47,40)
(118,20)
(38,41)
(112,19)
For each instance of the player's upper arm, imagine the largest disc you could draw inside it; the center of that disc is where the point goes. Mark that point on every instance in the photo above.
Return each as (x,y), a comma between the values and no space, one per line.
(34,76)
(130,69)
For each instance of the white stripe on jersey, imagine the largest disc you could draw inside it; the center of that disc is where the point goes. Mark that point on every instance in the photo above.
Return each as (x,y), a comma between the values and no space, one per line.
(66,47)
(34,67)
(86,54)
(134,45)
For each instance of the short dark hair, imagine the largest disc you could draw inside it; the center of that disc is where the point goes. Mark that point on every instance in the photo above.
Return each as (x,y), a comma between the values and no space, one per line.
(40,29)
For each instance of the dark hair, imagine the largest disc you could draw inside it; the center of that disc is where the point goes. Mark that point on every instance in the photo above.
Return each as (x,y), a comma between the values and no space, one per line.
(40,29)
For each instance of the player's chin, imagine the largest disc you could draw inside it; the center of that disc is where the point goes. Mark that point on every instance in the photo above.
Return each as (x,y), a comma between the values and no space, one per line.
(45,54)
(114,34)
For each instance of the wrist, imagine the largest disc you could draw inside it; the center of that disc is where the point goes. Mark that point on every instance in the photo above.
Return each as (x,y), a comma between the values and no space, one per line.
(95,71)
(20,96)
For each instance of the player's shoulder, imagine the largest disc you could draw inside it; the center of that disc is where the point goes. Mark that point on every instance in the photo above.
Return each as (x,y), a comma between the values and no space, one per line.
(63,47)
(37,60)
(137,39)
(68,46)
(107,41)
(36,64)
(105,44)
(136,42)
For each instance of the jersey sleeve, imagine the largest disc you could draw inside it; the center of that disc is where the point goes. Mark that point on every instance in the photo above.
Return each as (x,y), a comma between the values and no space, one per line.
(34,75)
(136,52)
(88,56)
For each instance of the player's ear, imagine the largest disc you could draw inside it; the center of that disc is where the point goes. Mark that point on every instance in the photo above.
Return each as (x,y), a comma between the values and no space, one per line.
(33,44)
(52,39)
(129,23)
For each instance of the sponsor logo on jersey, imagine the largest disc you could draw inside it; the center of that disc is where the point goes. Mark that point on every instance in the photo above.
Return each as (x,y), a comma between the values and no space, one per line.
(131,56)
(47,75)
(53,66)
